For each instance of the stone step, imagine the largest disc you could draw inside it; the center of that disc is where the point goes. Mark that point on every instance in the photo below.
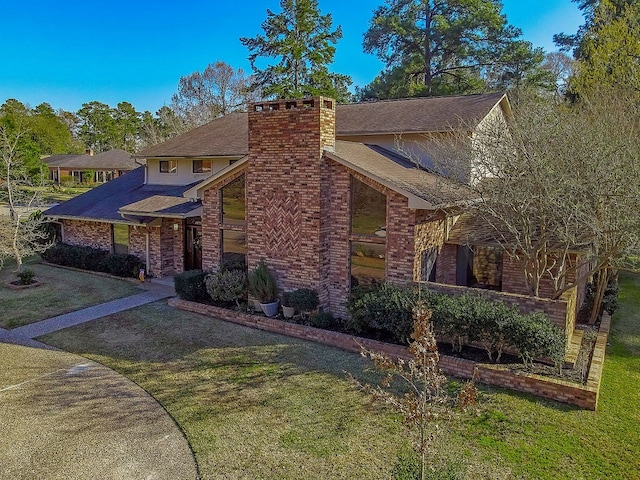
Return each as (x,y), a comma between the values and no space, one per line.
(573,349)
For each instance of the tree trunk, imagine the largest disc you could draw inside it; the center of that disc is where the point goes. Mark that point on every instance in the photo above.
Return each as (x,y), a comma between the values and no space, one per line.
(601,286)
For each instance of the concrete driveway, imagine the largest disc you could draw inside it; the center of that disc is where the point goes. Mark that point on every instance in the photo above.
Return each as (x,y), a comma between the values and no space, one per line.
(65,417)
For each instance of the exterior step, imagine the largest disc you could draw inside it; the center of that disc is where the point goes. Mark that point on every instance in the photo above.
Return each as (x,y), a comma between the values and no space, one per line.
(573,349)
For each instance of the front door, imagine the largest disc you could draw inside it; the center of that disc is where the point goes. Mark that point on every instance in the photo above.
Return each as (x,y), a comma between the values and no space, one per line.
(193,244)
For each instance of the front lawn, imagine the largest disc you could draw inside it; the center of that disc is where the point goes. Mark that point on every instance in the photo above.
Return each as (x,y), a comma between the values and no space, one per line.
(62,291)
(259,405)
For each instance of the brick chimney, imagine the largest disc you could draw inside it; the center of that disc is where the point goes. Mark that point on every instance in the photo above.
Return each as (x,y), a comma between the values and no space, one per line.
(286,175)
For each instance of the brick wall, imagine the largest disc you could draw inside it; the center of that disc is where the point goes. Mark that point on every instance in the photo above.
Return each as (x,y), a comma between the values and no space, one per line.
(556,389)
(88,234)
(283,183)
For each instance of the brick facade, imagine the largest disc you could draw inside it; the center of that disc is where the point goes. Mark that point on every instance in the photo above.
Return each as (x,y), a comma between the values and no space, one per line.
(88,234)
(284,190)
(166,245)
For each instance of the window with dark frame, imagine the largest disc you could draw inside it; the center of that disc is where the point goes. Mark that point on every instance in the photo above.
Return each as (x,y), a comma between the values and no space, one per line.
(120,238)
(368,234)
(233,212)
(202,166)
(168,166)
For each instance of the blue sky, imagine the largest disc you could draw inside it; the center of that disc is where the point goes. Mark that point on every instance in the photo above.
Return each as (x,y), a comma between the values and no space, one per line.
(69,52)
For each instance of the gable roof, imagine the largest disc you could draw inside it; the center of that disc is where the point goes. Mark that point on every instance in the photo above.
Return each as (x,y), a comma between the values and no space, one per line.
(415,115)
(424,189)
(104,202)
(229,135)
(224,136)
(114,159)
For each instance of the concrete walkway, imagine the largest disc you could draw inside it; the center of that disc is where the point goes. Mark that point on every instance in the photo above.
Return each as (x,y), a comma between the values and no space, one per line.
(63,416)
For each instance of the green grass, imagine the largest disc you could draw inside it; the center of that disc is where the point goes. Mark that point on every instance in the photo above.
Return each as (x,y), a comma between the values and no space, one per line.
(259,405)
(62,291)
(57,194)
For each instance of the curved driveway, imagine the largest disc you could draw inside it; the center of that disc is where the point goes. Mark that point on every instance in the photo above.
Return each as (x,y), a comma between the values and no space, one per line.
(65,417)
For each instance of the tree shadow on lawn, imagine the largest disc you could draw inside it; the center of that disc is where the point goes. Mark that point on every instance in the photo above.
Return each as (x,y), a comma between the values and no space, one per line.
(160,343)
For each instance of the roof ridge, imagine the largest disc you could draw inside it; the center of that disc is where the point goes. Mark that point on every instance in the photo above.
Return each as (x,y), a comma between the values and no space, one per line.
(434,97)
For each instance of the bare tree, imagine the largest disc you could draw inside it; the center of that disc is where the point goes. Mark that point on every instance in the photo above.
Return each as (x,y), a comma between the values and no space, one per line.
(218,90)
(426,405)
(558,190)
(21,231)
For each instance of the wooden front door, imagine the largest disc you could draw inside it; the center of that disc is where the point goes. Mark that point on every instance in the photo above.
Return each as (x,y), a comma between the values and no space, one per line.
(193,244)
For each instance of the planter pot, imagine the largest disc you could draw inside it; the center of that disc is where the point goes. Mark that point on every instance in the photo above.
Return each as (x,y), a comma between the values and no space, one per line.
(270,309)
(288,312)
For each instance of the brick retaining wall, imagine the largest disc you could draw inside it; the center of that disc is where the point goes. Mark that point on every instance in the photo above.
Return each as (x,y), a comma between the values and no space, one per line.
(555,389)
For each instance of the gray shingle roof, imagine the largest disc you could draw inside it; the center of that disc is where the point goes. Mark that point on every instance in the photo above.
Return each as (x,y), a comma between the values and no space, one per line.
(398,173)
(103,202)
(228,135)
(115,159)
(224,136)
(414,115)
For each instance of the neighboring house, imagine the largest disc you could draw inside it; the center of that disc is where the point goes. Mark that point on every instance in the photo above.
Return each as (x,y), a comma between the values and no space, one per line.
(316,189)
(89,168)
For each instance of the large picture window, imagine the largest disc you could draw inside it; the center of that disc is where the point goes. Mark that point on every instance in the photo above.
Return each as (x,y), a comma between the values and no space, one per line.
(368,210)
(368,234)
(233,204)
(120,238)
(233,215)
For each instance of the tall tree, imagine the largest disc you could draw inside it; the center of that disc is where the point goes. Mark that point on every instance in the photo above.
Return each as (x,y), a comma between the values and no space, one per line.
(218,90)
(163,126)
(301,41)
(434,47)
(127,125)
(97,126)
(609,51)
(574,42)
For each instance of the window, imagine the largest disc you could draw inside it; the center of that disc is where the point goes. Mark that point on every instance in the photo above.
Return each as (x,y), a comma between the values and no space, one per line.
(120,240)
(368,210)
(428,264)
(202,166)
(368,264)
(234,247)
(233,202)
(479,267)
(368,234)
(168,166)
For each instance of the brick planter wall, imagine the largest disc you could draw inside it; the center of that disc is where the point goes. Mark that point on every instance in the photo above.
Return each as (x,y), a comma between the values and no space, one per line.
(555,389)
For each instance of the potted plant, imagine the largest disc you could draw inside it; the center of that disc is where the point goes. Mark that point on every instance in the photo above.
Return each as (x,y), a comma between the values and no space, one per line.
(304,300)
(287,310)
(263,286)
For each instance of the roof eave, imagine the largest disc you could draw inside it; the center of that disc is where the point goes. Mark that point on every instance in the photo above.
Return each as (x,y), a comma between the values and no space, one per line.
(197,191)
(414,202)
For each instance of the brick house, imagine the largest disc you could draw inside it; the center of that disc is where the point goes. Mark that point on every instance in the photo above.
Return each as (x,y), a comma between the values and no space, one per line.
(319,190)
(89,168)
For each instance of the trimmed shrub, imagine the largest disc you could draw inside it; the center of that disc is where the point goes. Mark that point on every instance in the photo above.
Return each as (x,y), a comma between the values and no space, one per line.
(227,286)
(190,285)
(534,336)
(384,308)
(303,299)
(121,265)
(84,258)
(323,320)
(25,277)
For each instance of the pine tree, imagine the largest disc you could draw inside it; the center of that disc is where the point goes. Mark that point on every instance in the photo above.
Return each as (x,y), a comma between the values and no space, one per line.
(301,40)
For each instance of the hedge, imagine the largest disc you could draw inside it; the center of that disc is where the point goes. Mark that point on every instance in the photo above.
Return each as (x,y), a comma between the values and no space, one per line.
(94,259)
